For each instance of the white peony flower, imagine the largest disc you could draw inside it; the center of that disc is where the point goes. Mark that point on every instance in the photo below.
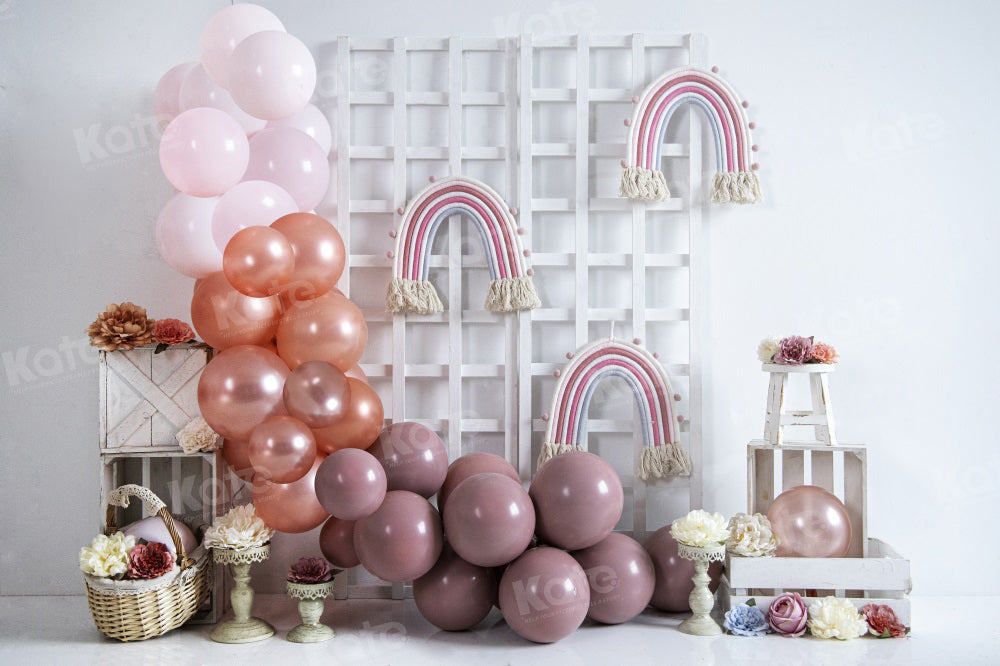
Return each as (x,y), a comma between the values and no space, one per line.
(197,435)
(831,617)
(751,536)
(766,350)
(700,529)
(240,528)
(107,556)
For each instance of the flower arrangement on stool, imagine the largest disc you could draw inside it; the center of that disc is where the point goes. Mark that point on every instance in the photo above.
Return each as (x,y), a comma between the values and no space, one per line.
(310,580)
(701,537)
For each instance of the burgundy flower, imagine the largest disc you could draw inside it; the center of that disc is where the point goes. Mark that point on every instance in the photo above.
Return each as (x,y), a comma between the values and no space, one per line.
(787,614)
(310,570)
(882,621)
(150,560)
(794,350)
(171,331)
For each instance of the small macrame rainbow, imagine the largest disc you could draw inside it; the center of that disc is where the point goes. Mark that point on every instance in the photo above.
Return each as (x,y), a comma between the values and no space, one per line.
(662,455)
(736,178)
(511,287)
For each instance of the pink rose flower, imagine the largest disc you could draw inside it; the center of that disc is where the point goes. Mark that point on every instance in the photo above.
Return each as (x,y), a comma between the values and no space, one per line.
(171,331)
(882,621)
(794,350)
(824,353)
(787,615)
(149,560)
(310,570)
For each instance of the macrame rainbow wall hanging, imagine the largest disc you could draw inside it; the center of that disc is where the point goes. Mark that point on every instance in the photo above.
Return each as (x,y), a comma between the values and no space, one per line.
(662,455)
(511,288)
(736,179)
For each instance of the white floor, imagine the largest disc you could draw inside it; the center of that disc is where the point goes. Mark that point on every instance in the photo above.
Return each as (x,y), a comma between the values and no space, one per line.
(49,630)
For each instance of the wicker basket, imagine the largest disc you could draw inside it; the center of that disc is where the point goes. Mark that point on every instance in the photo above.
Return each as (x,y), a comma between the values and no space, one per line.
(136,610)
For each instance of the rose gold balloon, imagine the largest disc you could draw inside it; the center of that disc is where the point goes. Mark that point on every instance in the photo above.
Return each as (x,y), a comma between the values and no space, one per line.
(223,317)
(290,507)
(319,253)
(360,425)
(317,394)
(357,373)
(258,261)
(239,388)
(282,449)
(810,522)
(329,328)
(237,456)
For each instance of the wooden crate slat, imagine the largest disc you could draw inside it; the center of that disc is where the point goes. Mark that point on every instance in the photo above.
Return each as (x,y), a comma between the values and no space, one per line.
(856,500)
(822,469)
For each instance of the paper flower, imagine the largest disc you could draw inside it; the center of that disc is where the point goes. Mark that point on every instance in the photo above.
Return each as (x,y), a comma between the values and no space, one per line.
(700,529)
(882,621)
(787,615)
(107,556)
(751,536)
(240,528)
(831,617)
(745,620)
(766,350)
(823,353)
(310,570)
(197,435)
(171,331)
(793,350)
(123,326)
(150,560)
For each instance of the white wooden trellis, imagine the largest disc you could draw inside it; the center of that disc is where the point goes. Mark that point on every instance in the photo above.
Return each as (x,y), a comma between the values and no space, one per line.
(526,366)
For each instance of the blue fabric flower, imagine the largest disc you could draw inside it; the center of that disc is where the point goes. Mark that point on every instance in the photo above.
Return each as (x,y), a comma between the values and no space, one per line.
(744,620)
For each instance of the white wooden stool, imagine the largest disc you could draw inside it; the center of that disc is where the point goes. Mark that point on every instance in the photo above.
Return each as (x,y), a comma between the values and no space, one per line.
(821,414)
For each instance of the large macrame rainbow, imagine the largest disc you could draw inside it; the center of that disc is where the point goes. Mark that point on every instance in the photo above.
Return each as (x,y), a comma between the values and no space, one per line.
(511,288)
(735,180)
(567,425)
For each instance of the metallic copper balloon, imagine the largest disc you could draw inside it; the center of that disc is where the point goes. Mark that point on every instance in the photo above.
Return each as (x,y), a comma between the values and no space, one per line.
(290,507)
(320,256)
(413,456)
(621,578)
(258,261)
(402,540)
(317,394)
(674,573)
(455,595)
(237,456)
(223,317)
(578,500)
(469,464)
(357,373)
(282,449)
(336,541)
(810,522)
(329,328)
(359,426)
(489,519)
(350,484)
(544,595)
(239,388)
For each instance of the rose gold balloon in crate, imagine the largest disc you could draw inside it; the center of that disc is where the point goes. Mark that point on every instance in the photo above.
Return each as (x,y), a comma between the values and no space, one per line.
(413,456)
(810,522)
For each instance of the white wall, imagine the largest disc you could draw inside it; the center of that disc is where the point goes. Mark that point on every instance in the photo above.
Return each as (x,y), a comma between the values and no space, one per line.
(877,234)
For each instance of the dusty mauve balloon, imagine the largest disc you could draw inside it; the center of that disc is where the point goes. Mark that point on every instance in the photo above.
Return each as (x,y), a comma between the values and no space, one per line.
(350,484)
(258,261)
(490,519)
(360,424)
(152,529)
(320,255)
(402,540)
(468,465)
(413,456)
(621,578)
(281,449)
(237,455)
(544,595)
(578,500)
(224,317)
(329,328)
(336,540)
(239,388)
(290,507)
(673,573)
(810,522)
(455,595)
(317,394)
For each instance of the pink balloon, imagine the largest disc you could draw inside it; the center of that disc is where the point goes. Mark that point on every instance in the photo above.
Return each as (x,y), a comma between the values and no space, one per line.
(198,90)
(289,158)
(489,519)
(336,540)
(184,235)
(252,203)
(317,394)
(468,465)
(621,578)
(272,75)
(227,28)
(544,595)
(350,484)
(413,456)
(810,522)
(311,121)
(166,99)
(152,529)
(282,449)
(402,540)
(455,595)
(674,573)
(239,388)
(204,152)
(258,261)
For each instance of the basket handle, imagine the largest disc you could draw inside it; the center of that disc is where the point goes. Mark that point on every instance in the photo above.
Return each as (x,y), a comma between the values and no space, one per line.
(119,497)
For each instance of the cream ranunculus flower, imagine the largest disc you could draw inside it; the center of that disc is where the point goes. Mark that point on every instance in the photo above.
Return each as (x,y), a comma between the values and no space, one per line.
(197,435)
(767,348)
(240,528)
(700,529)
(107,556)
(831,617)
(751,536)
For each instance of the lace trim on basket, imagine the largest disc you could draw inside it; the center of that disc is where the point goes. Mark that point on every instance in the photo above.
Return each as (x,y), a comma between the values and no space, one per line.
(117,588)
(120,497)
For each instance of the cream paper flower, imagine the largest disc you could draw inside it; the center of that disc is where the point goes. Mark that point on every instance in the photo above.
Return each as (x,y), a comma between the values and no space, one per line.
(700,529)
(240,528)
(107,556)
(197,436)
(831,617)
(751,536)
(766,350)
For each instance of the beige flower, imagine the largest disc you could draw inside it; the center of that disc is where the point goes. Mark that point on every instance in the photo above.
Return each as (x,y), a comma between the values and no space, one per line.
(107,556)
(197,435)
(700,529)
(751,536)
(831,617)
(121,326)
(766,350)
(240,528)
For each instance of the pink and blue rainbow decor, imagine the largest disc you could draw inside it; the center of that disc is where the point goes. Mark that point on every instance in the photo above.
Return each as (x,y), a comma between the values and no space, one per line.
(735,180)
(511,288)
(662,455)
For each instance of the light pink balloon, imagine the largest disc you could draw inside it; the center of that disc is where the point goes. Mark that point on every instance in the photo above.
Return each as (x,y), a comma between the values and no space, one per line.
(198,90)
(252,203)
(227,28)
(289,158)
(166,105)
(184,235)
(810,522)
(272,75)
(311,121)
(204,152)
